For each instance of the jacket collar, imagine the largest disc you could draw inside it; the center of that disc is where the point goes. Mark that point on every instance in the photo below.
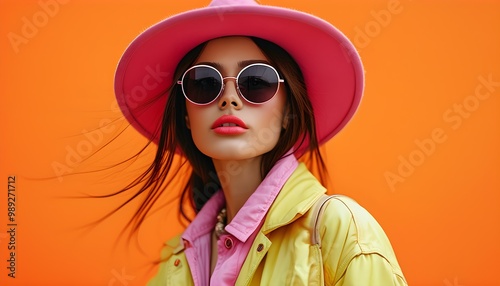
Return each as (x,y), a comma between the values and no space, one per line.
(297,196)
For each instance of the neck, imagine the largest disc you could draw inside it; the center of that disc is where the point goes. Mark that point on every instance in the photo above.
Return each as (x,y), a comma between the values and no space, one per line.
(239,179)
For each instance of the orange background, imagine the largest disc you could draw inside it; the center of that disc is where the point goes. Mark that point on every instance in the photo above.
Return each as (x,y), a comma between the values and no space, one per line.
(427,171)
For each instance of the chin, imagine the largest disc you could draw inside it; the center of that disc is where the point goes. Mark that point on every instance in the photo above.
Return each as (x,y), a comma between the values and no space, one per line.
(233,153)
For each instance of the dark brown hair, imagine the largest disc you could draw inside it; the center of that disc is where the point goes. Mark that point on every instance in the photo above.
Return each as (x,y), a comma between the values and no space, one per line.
(203,181)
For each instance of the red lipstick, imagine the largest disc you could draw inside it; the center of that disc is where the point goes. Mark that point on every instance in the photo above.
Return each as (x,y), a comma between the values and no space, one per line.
(229,125)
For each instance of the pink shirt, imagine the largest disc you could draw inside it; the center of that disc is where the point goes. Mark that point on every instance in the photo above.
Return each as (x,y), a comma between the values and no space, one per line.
(232,247)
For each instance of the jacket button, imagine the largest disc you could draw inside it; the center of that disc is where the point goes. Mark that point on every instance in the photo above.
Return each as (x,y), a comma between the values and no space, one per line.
(177,262)
(228,243)
(260,247)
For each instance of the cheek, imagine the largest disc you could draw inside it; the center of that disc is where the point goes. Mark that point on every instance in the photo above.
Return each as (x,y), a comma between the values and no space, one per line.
(270,122)
(199,118)
(274,113)
(195,118)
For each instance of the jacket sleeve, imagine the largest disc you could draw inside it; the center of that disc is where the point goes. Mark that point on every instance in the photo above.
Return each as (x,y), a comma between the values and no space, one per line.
(355,249)
(370,269)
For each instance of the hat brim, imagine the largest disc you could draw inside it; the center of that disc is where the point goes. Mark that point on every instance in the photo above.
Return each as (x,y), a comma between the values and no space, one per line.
(331,66)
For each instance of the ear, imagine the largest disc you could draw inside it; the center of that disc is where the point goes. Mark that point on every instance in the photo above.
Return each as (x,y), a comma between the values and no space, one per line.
(188,125)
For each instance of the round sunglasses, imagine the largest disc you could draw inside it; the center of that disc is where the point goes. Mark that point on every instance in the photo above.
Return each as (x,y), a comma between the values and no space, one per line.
(256,83)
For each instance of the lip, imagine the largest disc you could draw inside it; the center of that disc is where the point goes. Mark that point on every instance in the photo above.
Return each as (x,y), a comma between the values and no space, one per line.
(234,125)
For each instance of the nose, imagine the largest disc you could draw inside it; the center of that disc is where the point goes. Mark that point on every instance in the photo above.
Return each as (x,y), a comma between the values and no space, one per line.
(229,96)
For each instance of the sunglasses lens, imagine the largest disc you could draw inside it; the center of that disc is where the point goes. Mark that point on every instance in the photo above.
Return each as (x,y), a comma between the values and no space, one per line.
(202,84)
(258,83)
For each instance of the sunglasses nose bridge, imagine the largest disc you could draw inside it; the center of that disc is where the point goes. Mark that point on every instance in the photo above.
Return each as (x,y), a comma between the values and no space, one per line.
(232,96)
(235,83)
(230,77)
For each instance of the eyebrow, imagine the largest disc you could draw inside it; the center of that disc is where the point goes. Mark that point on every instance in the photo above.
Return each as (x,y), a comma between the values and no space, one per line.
(241,64)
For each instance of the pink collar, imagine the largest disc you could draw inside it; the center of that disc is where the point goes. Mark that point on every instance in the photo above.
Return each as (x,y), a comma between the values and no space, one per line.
(253,211)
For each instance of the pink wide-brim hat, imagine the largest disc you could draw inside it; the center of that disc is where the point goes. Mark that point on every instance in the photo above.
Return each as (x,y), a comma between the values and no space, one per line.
(331,66)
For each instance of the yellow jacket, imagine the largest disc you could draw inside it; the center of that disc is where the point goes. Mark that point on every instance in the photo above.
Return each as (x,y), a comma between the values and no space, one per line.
(354,248)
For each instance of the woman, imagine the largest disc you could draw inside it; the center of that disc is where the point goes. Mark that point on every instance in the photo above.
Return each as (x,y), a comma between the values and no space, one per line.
(240,91)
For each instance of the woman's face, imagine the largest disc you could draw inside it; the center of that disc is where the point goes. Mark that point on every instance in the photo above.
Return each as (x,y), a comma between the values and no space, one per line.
(260,125)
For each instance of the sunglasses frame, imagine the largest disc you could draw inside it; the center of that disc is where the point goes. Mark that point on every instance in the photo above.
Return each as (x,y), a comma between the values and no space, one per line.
(223,83)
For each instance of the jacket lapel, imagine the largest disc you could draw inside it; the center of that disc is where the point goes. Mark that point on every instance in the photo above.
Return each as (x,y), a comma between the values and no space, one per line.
(297,196)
